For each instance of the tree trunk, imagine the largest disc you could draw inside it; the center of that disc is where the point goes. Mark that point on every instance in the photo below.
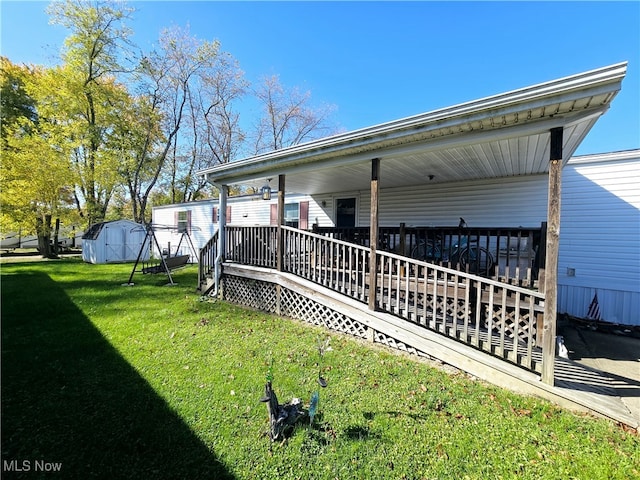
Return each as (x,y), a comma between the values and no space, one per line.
(56,243)
(43,227)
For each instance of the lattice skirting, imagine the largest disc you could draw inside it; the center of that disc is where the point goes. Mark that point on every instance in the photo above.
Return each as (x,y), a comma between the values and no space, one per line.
(391,342)
(264,296)
(250,293)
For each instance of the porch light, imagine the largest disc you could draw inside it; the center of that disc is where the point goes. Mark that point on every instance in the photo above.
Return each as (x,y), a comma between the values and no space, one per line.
(266,190)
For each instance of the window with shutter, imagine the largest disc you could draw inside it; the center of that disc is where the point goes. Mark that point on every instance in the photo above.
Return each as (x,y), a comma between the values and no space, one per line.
(182,223)
(295,215)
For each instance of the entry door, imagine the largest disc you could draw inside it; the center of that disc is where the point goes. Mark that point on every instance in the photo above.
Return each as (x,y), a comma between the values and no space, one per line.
(345,212)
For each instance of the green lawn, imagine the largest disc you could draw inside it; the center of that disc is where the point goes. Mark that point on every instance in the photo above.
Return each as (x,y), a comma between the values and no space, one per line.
(150,381)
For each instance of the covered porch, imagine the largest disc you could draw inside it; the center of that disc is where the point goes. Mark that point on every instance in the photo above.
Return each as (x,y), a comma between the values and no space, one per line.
(402,285)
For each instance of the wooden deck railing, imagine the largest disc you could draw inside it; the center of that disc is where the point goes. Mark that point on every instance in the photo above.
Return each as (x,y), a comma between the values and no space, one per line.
(251,245)
(338,265)
(496,317)
(245,245)
(206,262)
(510,255)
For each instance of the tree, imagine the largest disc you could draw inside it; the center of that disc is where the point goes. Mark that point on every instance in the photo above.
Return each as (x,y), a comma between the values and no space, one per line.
(18,117)
(15,103)
(288,118)
(216,136)
(192,60)
(165,77)
(190,86)
(37,182)
(128,131)
(91,55)
(138,137)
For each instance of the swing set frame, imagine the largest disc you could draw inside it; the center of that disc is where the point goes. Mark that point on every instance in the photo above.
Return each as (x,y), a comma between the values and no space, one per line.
(167,263)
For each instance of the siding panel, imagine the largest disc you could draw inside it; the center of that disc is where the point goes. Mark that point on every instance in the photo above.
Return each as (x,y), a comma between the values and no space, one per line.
(514,201)
(600,236)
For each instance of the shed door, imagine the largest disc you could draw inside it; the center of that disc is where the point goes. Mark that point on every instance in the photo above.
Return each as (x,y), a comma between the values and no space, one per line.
(115,244)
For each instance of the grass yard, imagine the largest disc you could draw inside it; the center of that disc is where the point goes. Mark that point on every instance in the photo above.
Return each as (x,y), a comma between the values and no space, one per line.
(150,382)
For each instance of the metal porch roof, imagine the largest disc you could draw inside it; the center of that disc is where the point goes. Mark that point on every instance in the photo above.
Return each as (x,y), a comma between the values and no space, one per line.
(498,136)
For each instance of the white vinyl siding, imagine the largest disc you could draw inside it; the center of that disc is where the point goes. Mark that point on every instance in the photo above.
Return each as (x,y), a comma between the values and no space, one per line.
(246,210)
(200,231)
(508,202)
(600,236)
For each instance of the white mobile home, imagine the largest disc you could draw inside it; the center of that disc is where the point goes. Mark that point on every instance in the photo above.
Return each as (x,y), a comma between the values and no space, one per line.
(475,190)
(114,242)
(599,235)
(13,240)
(67,238)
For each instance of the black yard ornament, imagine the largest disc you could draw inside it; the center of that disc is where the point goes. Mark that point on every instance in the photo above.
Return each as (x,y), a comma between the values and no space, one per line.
(283,418)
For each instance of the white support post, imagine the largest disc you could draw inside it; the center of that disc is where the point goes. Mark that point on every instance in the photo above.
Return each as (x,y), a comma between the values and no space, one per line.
(222,223)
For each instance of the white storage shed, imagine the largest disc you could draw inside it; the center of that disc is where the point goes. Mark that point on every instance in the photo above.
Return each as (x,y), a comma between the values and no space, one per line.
(114,242)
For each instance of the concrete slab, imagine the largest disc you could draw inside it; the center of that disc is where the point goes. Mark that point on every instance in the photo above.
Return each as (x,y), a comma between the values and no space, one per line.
(616,354)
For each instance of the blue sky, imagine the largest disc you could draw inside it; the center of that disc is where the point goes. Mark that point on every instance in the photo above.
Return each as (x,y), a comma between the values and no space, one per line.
(381,61)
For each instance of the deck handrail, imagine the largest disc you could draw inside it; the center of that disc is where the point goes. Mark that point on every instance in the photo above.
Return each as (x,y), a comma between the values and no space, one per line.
(516,251)
(206,261)
(459,304)
(251,245)
(496,317)
(493,316)
(488,281)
